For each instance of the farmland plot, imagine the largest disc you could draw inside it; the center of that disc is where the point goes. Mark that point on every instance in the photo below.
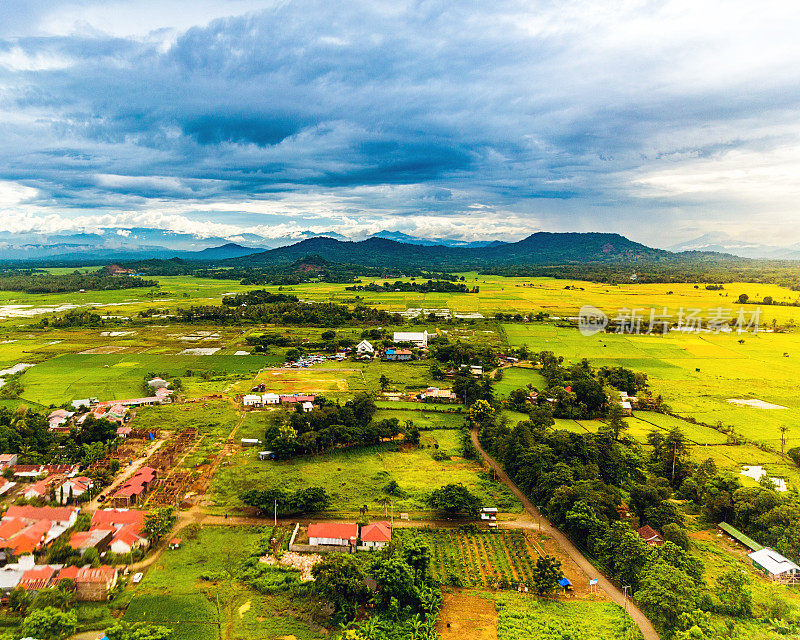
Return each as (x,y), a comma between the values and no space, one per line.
(501,558)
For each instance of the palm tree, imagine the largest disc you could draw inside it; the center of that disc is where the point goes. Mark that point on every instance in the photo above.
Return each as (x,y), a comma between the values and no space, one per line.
(783,429)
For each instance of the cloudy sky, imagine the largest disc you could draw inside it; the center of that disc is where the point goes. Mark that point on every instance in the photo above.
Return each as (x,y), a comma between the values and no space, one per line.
(474,120)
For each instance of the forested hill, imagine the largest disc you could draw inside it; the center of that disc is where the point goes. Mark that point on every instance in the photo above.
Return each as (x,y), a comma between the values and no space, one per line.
(537,249)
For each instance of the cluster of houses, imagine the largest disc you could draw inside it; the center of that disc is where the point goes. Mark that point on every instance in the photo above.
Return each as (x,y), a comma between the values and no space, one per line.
(306,401)
(61,420)
(25,530)
(45,482)
(91,583)
(346,536)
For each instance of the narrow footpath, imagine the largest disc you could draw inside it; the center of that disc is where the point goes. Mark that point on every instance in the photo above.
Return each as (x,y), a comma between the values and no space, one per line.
(645,626)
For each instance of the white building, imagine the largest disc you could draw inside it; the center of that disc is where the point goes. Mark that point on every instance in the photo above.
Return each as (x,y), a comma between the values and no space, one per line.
(773,564)
(418,339)
(333,533)
(270,398)
(251,400)
(364,347)
(308,406)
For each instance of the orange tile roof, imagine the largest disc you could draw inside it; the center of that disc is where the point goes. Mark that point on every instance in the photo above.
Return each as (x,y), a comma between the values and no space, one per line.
(377,532)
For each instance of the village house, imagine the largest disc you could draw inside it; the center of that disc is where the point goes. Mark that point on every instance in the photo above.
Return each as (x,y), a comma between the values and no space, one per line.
(307,406)
(339,534)
(84,403)
(650,536)
(251,400)
(59,417)
(270,398)
(376,535)
(124,432)
(124,525)
(39,577)
(39,490)
(398,354)
(157,383)
(434,394)
(92,584)
(296,398)
(6,486)
(417,339)
(135,488)
(73,488)
(8,460)
(99,539)
(365,348)
(24,529)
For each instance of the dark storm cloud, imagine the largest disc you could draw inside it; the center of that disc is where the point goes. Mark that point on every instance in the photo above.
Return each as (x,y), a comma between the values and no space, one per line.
(502,104)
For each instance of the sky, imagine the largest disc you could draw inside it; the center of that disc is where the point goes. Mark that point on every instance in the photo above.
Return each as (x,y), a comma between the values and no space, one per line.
(662,121)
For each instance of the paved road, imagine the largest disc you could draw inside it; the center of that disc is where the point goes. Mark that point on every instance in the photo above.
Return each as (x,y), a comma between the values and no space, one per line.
(646,627)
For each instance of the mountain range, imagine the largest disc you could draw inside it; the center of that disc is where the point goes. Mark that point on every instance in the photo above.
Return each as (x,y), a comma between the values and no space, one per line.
(143,243)
(538,248)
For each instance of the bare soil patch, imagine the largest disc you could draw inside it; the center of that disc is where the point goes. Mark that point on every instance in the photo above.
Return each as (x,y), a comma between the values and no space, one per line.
(467,615)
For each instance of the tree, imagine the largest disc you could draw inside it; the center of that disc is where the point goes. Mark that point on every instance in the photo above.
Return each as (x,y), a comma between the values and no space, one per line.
(418,557)
(328,335)
(140,631)
(615,421)
(339,579)
(735,593)
(49,624)
(19,600)
(54,598)
(158,523)
(480,413)
(743,298)
(395,581)
(665,593)
(454,499)
(676,534)
(384,382)
(783,429)
(546,575)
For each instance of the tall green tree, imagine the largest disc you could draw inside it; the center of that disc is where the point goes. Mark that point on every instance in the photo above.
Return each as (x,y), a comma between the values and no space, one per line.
(546,575)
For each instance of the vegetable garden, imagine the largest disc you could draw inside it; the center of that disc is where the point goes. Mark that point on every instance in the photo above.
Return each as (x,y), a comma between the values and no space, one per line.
(461,558)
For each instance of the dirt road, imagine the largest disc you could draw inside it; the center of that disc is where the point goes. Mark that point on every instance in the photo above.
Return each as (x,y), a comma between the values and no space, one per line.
(646,627)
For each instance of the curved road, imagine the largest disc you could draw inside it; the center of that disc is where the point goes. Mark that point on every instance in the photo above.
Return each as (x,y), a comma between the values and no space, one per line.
(646,627)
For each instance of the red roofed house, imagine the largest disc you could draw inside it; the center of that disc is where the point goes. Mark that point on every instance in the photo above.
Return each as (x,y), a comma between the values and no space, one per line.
(73,488)
(26,529)
(376,535)
(295,398)
(39,489)
(339,534)
(135,488)
(8,460)
(39,577)
(650,536)
(125,525)
(99,539)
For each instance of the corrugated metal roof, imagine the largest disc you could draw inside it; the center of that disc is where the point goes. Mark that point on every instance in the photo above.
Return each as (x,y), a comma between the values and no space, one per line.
(740,537)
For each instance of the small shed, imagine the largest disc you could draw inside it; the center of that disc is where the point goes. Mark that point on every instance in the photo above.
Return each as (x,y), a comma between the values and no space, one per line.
(250,442)
(266,455)
(308,406)
(175,543)
(489,513)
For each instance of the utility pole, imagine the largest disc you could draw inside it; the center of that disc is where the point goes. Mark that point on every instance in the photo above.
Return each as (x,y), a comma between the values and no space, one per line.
(625,594)
(276,512)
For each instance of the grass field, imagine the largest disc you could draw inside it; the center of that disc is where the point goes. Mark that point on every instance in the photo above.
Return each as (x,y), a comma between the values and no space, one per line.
(175,594)
(476,559)
(116,377)
(355,477)
(695,374)
(522,617)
